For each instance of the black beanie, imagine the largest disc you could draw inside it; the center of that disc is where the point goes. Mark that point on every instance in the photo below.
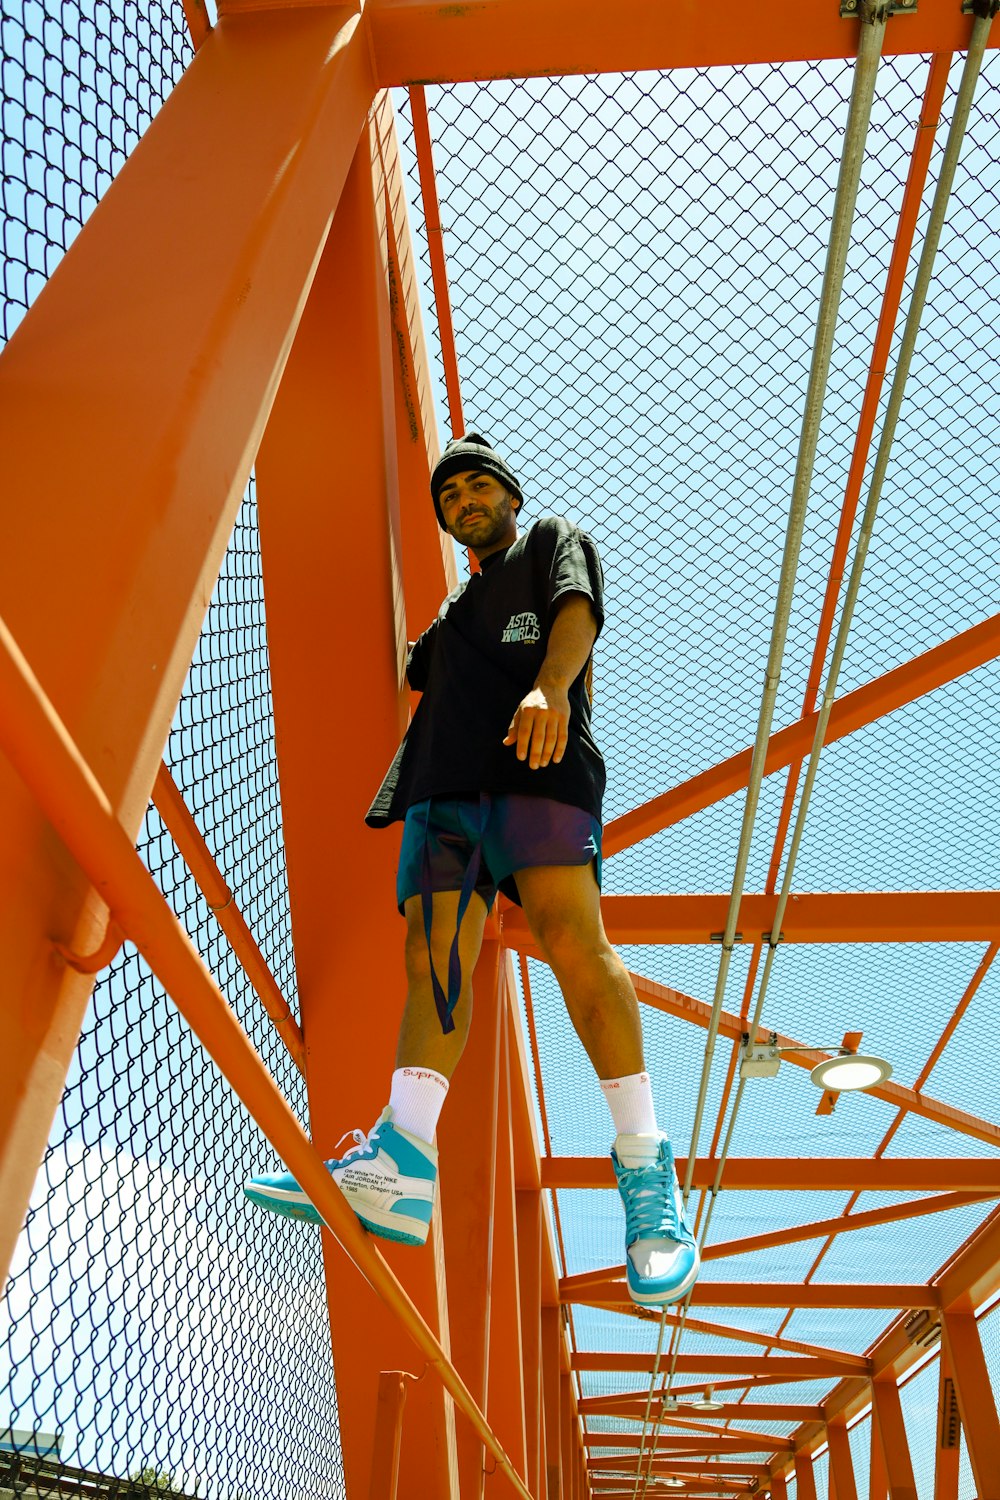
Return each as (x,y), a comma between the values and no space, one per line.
(470,452)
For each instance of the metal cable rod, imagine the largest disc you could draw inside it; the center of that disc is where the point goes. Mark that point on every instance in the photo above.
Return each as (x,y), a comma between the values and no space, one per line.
(873,21)
(942,195)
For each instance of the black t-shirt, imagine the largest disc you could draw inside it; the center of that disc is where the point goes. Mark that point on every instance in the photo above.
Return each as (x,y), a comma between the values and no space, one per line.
(475,664)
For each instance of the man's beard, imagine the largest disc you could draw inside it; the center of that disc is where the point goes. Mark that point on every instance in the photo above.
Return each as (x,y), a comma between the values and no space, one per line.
(502,517)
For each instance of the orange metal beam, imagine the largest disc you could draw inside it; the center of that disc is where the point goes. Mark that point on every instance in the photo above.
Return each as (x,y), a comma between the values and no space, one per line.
(429,570)
(337,396)
(672,1002)
(722,1330)
(977,1176)
(841,1463)
(631,1404)
(805,1477)
(505,1404)
(467,1141)
(152,353)
(830,917)
(425,41)
(685,1466)
(948,1444)
(197,856)
(388,1435)
(717,1441)
(930,670)
(435,248)
(976,1402)
(878,1483)
(609,1287)
(552,1339)
(528,1209)
(778,1488)
(887,1420)
(842,1224)
(40,750)
(749,1365)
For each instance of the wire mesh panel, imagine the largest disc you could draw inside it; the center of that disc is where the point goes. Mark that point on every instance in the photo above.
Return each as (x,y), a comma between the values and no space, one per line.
(79,82)
(155,1320)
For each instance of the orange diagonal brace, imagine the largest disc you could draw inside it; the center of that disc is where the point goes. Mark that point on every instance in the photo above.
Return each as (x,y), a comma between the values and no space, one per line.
(840,1225)
(188,837)
(887,1415)
(435,247)
(980,1421)
(852,712)
(737,1335)
(36,742)
(841,1464)
(132,399)
(677,1004)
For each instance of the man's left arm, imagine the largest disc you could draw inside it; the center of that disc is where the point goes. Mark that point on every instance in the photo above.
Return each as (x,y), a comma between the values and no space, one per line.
(540,726)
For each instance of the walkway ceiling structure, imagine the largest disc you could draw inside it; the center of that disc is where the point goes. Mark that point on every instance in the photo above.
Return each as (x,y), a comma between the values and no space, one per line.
(718,308)
(635,284)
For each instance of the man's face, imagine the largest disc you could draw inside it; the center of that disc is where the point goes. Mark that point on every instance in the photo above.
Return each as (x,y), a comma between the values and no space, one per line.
(478,511)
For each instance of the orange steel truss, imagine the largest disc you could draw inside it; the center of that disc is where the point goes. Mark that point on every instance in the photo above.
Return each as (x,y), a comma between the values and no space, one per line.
(187,336)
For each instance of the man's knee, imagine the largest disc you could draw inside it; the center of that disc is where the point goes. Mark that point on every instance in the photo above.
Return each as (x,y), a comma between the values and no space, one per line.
(568,935)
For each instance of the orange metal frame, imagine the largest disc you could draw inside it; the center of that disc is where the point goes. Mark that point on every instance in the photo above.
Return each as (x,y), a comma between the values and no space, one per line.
(295,224)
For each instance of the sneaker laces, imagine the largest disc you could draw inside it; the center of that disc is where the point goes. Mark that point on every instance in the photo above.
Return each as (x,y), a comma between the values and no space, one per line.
(650,1204)
(360,1142)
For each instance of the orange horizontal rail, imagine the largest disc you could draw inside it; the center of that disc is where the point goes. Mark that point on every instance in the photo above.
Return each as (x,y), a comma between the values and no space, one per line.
(435,43)
(633,1404)
(790,1366)
(712,1442)
(609,1287)
(197,856)
(810,917)
(932,669)
(50,764)
(914,1174)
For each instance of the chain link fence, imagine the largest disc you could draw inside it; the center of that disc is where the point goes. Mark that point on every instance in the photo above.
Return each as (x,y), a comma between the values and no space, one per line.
(157,1334)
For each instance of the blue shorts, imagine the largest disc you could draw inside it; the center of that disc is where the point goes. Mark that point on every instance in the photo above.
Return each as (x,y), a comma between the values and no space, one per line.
(513,832)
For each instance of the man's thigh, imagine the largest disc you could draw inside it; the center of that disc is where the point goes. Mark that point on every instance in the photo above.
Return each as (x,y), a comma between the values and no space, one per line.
(444,917)
(563,897)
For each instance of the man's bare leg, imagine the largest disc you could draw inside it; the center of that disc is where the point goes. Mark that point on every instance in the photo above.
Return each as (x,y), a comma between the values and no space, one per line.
(563,907)
(421,1041)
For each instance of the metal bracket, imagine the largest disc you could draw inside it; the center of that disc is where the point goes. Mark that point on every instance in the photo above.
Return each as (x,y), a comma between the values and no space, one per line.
(102,956)
(985,9)
(877,10)
(716,937)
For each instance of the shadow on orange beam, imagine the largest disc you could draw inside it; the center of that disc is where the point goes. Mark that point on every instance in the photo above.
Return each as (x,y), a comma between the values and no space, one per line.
(932,669)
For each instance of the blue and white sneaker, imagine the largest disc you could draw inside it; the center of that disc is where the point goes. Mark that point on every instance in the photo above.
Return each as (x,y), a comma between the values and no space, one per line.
(661,1258)
(387,1177)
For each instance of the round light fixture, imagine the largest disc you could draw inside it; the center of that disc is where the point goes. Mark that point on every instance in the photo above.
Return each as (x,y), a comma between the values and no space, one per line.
(673,1483)
(708,1402)
(851,1070)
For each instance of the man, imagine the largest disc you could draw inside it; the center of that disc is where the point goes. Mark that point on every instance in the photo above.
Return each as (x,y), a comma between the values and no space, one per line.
(499,783)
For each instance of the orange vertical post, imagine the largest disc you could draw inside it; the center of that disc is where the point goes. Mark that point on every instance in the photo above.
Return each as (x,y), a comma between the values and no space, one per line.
(887,1416)
(328,512)
(841,1464)
(975,1400)
(805,1477)
(388,1435)
(467,1141)
(505,1403)
(949,1434)
(778,1487)
(552,1339)
(132,398)
(529,1259)
(878,1483)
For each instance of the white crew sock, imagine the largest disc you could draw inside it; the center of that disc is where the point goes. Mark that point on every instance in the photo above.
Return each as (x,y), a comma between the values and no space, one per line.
(630,1101)
(415,1098)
